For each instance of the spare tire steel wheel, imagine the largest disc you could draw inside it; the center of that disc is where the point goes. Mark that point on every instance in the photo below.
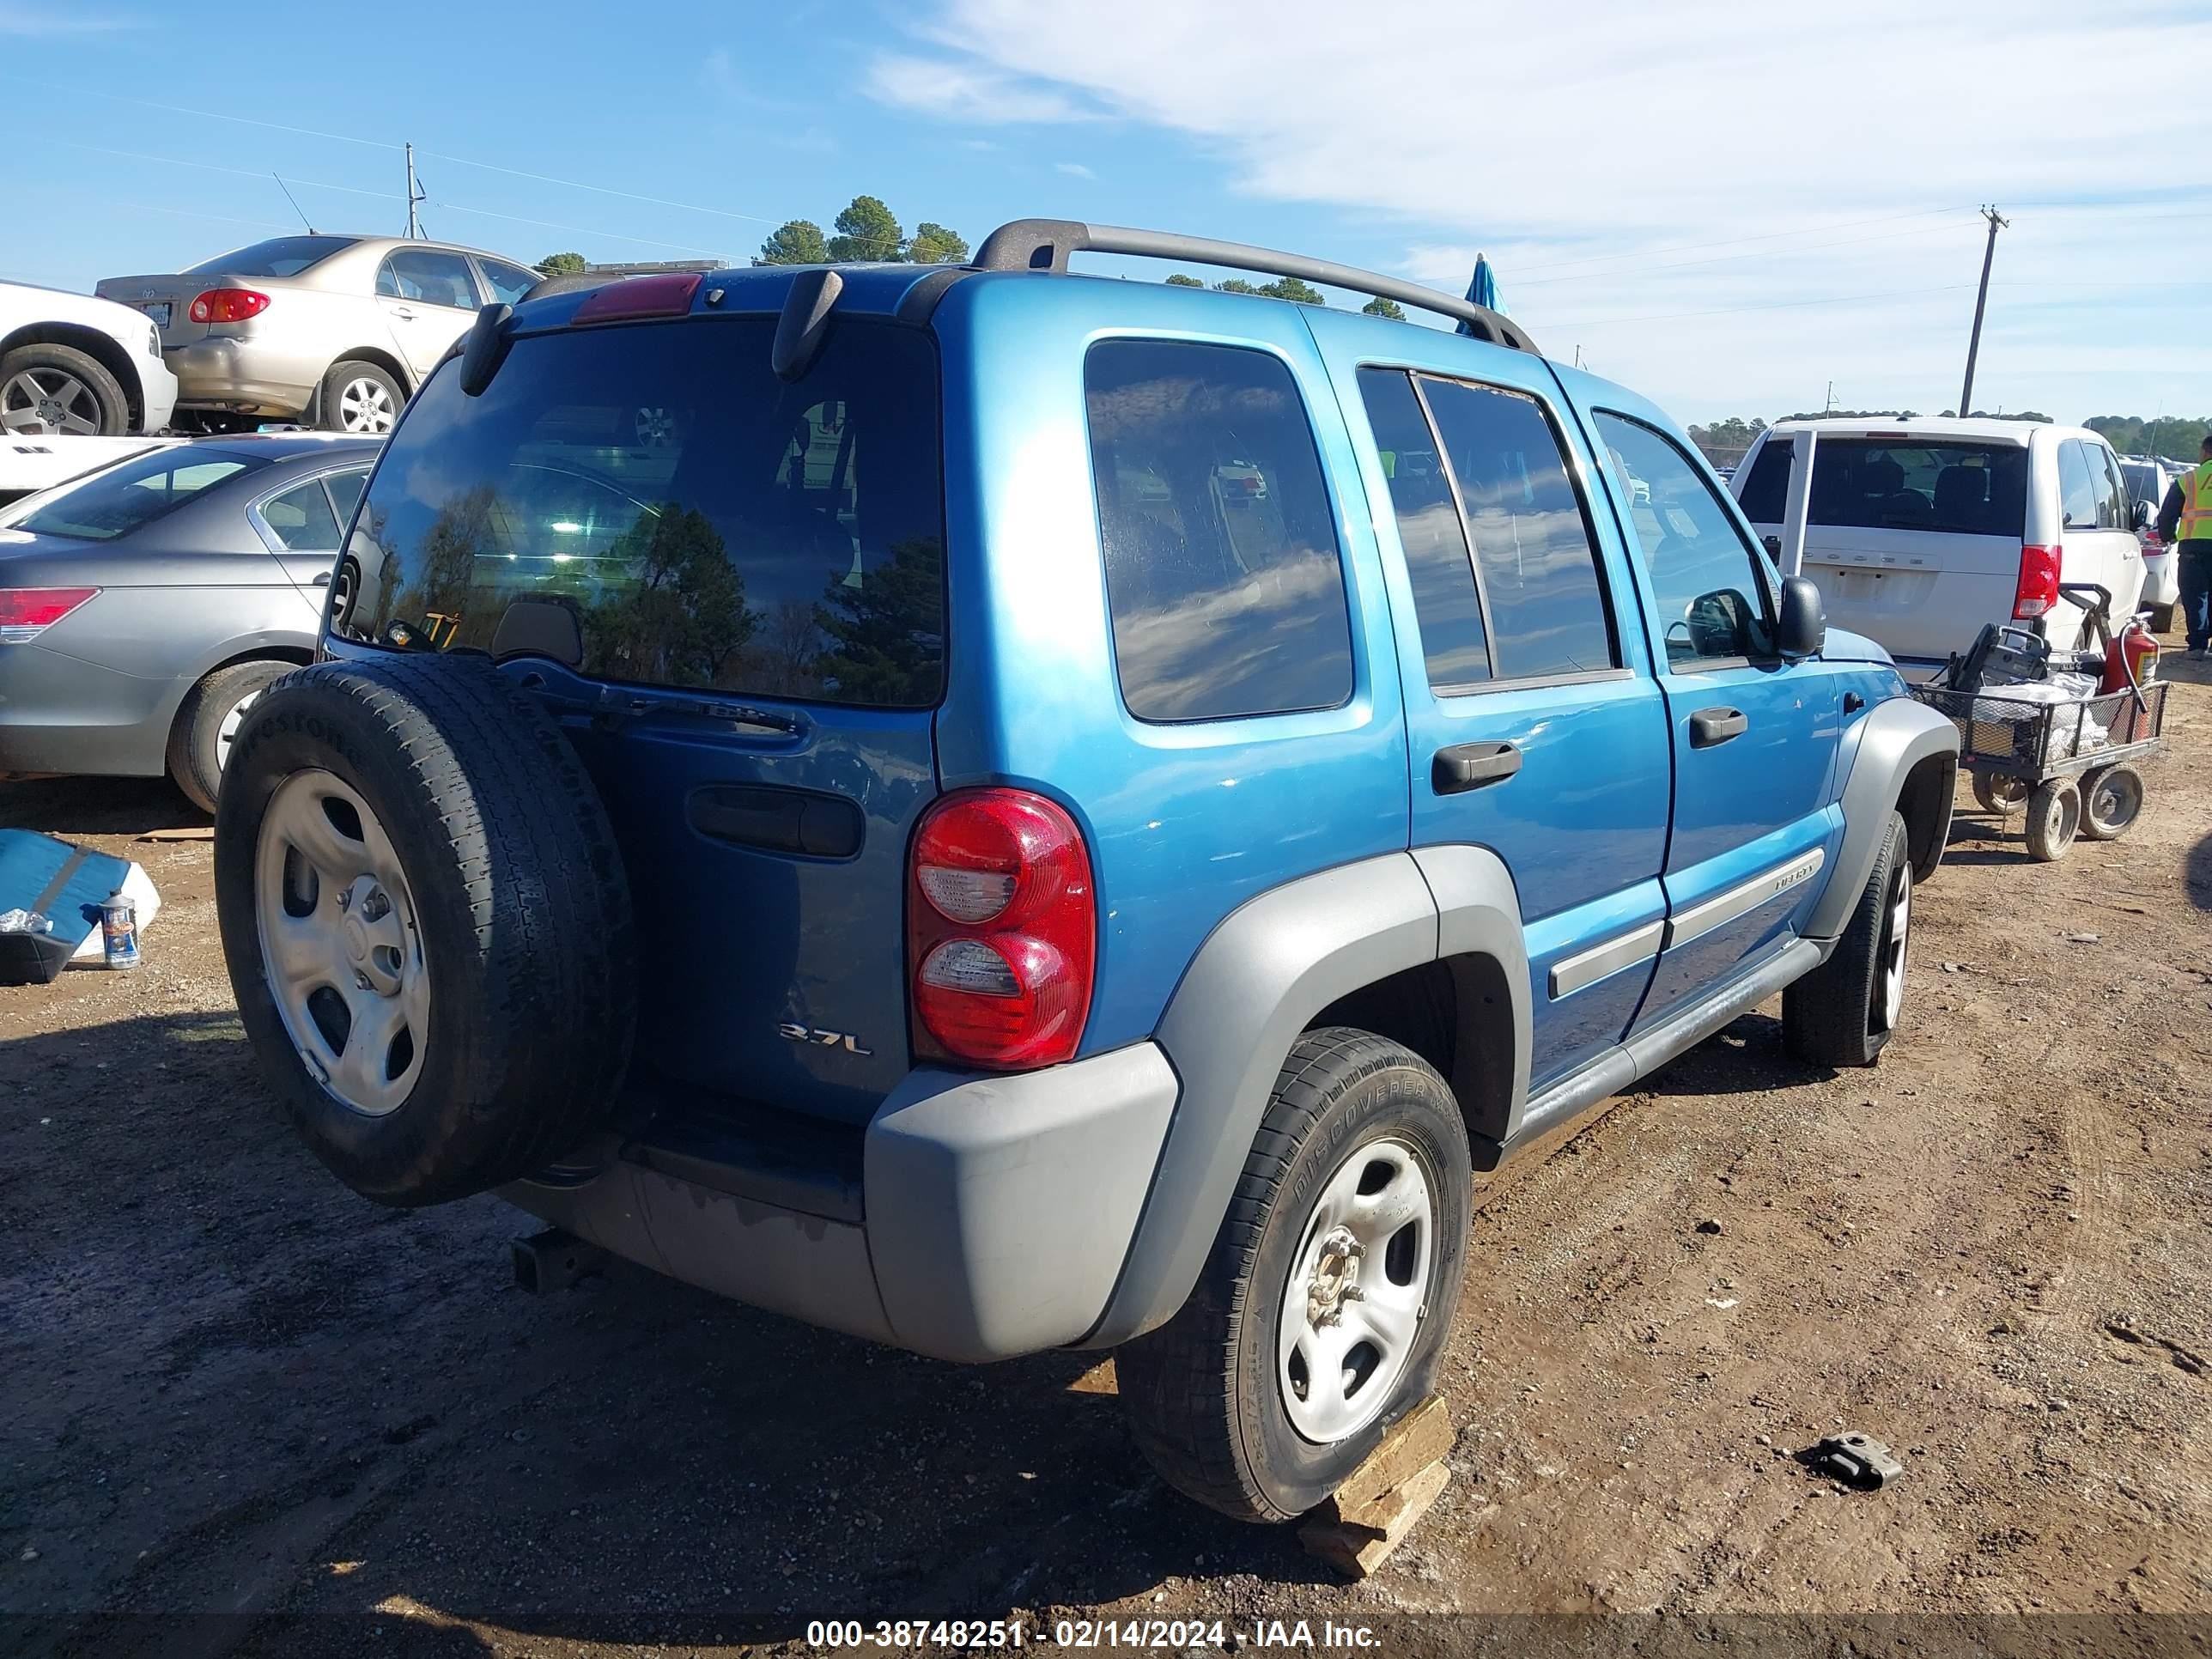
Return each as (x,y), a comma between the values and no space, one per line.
(427,925)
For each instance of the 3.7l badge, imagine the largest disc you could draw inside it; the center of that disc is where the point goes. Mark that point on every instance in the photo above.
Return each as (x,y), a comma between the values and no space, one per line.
(845,1040)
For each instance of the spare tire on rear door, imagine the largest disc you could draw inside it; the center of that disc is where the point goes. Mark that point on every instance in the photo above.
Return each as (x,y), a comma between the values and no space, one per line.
(427,924)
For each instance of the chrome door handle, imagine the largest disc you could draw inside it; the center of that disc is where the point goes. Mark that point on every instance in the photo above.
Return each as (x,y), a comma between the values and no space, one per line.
(1466,766)
(1709,727)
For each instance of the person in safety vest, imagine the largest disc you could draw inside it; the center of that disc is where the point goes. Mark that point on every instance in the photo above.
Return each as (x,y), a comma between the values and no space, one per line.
(2185,521)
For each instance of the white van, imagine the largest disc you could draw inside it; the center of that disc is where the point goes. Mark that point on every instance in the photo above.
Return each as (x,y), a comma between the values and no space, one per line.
(1918,531)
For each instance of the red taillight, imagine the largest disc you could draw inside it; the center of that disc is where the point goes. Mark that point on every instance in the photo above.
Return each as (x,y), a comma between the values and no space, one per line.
(27,612)
(1002,927)
(2039,582)
(668,295)
(228,304)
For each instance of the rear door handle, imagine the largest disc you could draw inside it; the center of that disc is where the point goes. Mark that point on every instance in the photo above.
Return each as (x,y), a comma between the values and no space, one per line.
(1710,726)
(1466,766)
(402,312)
(322,579)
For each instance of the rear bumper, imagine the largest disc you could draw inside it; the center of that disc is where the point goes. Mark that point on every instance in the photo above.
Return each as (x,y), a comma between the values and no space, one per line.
(242,376)
(993,1215)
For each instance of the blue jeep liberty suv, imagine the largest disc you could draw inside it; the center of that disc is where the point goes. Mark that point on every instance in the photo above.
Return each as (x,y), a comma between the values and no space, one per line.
(995,809)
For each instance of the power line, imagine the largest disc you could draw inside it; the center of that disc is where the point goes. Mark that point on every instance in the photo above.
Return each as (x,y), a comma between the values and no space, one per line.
(1724,258)
(1737,241)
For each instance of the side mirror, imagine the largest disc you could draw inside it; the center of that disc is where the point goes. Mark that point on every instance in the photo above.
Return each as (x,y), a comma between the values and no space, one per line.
(1802,628)
(2142,515)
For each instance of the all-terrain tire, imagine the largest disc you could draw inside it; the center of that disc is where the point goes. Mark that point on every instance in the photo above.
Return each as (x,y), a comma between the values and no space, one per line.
(1842,1014)
(1203,1392)
(111,414)
(518,894)
(207,722)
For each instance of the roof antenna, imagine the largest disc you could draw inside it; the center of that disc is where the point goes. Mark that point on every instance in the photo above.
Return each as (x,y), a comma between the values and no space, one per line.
(287,189)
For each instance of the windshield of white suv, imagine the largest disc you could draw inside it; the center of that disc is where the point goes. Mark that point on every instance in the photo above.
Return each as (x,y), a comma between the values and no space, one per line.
(1953,486)
(280,255)
(699,522)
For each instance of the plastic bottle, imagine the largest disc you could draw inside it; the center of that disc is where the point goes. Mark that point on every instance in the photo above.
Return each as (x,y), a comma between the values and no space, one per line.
(119,930)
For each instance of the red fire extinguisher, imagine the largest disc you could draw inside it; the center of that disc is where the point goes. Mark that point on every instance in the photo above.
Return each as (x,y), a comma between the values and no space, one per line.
(2131,659)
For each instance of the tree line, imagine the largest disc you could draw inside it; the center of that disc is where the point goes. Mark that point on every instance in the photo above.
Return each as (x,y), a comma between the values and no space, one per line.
(867,230)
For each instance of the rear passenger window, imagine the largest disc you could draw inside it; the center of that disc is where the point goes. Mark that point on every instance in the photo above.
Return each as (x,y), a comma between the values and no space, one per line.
(1445,606)
(1532,540)
(1223,571)
(1706,580)
(2081,491)
(302,519)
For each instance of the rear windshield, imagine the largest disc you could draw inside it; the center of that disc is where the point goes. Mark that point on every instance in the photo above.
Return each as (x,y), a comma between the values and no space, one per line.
(134,495)
(280,255)
(699,522)
(1961,487)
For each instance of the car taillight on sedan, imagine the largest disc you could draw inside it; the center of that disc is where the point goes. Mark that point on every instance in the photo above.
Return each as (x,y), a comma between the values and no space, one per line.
(1002,925)
(27,612)
(2039,568)
(228,304)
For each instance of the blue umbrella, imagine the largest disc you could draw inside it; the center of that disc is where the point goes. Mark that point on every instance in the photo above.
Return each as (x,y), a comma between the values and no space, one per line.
(1483,290)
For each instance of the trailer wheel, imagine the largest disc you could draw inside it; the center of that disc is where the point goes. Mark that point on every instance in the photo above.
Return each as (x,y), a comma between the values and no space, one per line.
(2001,795)
(2112,801)
(2054,814)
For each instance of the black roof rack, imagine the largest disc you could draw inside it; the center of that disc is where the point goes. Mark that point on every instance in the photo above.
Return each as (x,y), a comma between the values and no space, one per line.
(1045,244)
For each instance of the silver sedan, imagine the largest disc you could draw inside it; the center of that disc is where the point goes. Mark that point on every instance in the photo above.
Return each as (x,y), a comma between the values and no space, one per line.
(143,609)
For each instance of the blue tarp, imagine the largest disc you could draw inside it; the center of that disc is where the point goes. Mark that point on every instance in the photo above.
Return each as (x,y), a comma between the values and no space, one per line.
(29,864)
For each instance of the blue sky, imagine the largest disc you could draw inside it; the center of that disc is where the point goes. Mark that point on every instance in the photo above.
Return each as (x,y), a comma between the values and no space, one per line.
(1726,208)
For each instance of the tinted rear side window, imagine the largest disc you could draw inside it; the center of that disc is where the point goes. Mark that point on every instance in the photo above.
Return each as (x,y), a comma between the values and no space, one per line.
(1958,488)
(1445,606)
(137,493)
(281,256)
(708,525)
(1532,539)
(1223,571)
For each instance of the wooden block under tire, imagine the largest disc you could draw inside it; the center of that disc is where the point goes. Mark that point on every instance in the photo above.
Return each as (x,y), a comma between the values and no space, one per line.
(1378,1503)
(1356,1545)
(1420,1437)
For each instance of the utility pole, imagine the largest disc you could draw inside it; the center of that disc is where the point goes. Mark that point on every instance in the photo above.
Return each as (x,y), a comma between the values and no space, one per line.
(1981,300)
(1831,397)
(415,195)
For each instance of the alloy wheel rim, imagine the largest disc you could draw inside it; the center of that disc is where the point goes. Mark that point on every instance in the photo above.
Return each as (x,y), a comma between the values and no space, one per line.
(1359,1290)
(364,405)
(48,401)
(1895,934)
(341,948)
(227,733)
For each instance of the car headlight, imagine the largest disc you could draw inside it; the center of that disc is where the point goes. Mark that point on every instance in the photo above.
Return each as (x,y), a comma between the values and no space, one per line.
(153,341)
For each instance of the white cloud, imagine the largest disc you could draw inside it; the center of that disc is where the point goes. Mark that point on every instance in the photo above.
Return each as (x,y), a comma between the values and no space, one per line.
(966,91)
(1666,186)
(1073,170)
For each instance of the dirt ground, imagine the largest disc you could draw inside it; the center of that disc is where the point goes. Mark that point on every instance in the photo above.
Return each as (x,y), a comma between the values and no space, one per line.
(243,1412)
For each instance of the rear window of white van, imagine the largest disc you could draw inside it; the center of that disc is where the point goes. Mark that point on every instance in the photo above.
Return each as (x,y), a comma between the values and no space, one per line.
(1957,487)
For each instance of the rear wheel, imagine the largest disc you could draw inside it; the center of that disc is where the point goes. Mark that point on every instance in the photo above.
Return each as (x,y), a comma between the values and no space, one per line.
(57,390)
(1320,1315)
(2112,801)
(2001,795)
(427,925)
(360,397)
(2054,815)
(207,722)
(1845,1010)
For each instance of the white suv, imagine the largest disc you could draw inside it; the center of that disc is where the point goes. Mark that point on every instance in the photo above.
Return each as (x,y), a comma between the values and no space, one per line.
(1918,531)
(2147,481)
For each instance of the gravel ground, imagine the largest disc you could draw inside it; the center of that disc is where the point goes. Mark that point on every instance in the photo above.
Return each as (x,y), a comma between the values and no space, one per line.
(243,1412)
